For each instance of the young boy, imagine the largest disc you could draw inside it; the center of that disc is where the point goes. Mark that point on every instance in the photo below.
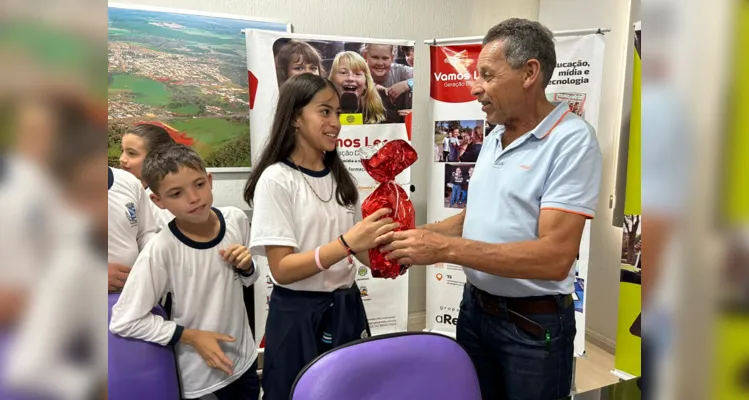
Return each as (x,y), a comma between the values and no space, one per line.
(202,259)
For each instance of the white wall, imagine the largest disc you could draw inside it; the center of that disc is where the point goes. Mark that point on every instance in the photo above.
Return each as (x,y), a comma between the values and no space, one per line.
(415,20)
(605,252)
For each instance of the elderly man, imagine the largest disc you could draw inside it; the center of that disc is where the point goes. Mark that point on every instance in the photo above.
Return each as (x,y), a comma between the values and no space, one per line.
(535,184)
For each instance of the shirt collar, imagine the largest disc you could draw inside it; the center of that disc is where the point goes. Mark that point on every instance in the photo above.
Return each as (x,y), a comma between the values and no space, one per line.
(542,129)
(551,121)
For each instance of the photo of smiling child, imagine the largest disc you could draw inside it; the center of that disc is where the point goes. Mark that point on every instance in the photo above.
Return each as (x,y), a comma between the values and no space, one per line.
(377,77)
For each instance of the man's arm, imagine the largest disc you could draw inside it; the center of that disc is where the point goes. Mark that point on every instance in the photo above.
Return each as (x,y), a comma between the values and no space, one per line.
(550,257)
(452,226)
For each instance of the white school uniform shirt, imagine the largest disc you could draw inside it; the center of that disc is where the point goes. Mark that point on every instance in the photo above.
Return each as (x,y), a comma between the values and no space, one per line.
(207,295)
(65,302)
(31,211)
(286,212)
(162,216)
(131,224)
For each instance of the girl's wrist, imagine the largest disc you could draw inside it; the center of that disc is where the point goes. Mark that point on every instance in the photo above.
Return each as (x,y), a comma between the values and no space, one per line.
(349,251)
(345,241)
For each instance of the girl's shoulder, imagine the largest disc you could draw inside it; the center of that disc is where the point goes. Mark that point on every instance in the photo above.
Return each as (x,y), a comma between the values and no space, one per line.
(279,174)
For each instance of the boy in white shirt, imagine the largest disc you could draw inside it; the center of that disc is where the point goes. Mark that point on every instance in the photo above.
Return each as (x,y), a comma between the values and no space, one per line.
(202,259)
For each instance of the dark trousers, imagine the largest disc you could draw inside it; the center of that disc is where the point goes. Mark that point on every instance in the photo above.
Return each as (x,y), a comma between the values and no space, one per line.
(297,322)
(514,364)
(247,387)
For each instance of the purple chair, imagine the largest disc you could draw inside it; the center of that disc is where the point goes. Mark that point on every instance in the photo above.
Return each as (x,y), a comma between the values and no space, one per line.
(141,370)
(6,393)
(409,365)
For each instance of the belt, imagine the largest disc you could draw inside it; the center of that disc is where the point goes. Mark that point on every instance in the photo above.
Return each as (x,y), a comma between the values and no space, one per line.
(518,307)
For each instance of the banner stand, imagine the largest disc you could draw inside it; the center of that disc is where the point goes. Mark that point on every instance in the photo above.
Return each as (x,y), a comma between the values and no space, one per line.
(459,130)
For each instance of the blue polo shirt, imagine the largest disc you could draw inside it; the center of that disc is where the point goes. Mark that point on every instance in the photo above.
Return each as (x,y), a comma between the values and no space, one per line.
(555,166)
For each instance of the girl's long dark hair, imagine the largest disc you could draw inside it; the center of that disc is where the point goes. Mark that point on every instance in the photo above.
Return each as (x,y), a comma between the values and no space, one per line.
(294,95)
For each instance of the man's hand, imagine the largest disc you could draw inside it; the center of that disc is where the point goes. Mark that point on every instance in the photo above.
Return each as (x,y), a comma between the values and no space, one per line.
(206,344)
(117,276)
(398,89)
(415,246)
(238,256)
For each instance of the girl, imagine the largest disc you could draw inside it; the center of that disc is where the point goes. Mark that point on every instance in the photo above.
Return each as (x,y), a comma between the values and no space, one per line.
(350,74)
(296,58)
(305,207)
(136,144)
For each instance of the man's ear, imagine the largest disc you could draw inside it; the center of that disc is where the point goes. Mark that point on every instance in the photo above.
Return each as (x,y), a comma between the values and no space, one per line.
(157,200)
(531,73)
(209,177)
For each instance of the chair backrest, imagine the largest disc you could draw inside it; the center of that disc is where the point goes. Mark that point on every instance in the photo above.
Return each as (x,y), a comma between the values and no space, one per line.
(141,370)
(409,365)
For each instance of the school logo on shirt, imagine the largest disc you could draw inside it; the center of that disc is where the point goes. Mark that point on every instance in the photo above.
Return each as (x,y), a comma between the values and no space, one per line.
(363,291)
(131,214)
(362,271)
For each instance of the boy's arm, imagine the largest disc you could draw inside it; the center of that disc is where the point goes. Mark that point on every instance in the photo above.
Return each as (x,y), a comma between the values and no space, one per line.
(131,316)
(249,276)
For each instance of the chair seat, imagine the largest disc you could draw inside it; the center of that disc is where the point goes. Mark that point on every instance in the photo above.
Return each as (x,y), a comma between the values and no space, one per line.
(409,365)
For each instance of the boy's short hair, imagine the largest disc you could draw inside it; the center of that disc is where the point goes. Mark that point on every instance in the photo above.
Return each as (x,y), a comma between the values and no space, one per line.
(168,159)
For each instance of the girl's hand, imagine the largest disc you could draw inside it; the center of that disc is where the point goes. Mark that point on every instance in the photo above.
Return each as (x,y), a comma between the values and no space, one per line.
(363,235)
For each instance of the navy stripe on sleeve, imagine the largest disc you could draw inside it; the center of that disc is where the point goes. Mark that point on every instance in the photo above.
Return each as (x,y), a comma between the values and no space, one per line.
(249,272)
(177,335)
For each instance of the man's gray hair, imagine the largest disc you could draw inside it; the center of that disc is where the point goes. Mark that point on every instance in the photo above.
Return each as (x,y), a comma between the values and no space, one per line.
(524,40)
(168,159)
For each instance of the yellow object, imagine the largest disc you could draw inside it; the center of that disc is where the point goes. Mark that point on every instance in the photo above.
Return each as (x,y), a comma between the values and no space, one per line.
(352,119)
(735,204)
(628,346)
(731,371)
(633,193)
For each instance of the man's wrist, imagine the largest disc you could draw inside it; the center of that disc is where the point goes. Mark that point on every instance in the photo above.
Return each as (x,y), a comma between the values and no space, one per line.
(447,251)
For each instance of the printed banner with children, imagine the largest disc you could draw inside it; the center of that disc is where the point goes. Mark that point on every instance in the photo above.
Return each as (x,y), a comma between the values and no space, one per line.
(459,133)
(375,80)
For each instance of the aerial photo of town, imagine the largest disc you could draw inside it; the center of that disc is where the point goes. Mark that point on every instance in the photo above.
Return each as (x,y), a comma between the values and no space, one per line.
(187,71)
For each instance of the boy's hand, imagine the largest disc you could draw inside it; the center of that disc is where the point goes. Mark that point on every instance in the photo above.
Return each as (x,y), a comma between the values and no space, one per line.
(117,276)
(238,256)
(206,344)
